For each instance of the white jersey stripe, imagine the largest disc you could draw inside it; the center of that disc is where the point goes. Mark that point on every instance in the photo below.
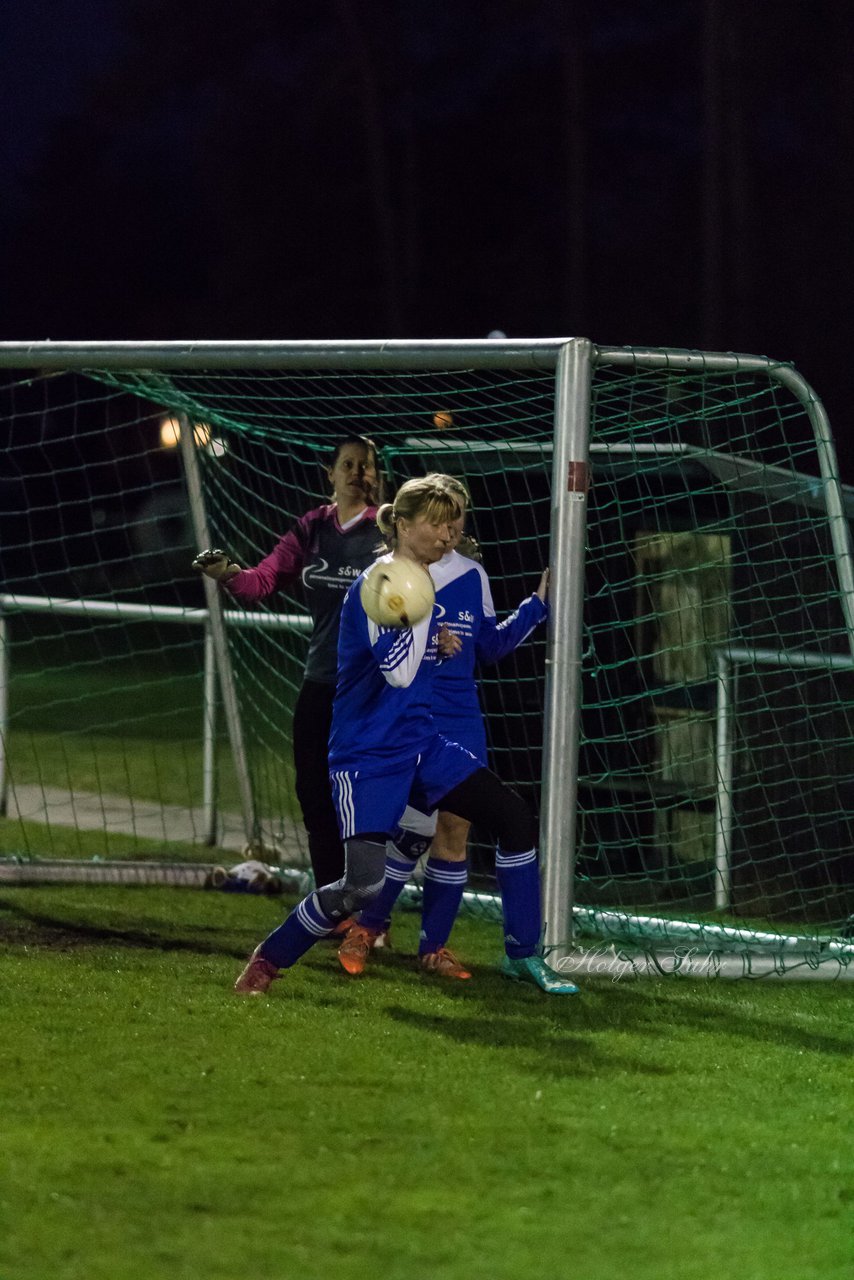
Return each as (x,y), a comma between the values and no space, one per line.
(344,797)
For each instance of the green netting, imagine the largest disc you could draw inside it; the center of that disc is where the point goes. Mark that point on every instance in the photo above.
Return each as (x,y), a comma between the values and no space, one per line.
(716,749)
(103,740)
(275,433)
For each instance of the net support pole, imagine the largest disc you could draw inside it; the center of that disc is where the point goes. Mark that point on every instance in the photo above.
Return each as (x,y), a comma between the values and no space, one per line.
(829,468)
(219,639)
(724,677)
(4,712)
(209,740)
(561,731)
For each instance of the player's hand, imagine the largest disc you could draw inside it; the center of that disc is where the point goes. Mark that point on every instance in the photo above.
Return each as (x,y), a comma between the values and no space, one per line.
(449,643)
(216,564)
(543,588)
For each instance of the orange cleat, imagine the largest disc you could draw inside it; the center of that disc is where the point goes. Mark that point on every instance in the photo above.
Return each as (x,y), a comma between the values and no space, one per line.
(354,950)
(443,963)
(257,978)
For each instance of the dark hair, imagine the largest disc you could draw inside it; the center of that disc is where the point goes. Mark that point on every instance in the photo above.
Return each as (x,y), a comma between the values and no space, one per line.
(378,490)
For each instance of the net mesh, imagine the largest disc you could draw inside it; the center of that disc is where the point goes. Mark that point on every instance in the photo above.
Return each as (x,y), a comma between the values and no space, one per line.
(717,683)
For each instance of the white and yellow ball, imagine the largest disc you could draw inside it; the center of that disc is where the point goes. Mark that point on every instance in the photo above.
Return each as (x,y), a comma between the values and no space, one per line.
(397,593)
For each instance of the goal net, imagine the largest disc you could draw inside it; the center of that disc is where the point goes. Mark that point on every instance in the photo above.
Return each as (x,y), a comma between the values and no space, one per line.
(695,806)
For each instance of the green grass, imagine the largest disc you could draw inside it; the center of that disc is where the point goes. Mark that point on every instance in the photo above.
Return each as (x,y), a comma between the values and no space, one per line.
(152,1125)
(132,725)
(37,840)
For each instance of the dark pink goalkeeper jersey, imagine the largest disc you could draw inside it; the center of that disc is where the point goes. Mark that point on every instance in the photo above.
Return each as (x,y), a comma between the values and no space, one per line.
(328,559)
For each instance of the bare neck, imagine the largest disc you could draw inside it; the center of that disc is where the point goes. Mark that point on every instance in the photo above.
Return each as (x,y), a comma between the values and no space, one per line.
(348,508)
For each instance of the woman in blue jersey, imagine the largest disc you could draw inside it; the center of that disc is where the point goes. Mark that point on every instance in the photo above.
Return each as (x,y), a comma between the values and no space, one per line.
(465,600)
(385,751)
(326,549)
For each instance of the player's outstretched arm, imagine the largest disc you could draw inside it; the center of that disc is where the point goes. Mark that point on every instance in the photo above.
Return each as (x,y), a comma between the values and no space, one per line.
(216,564)
(496,639)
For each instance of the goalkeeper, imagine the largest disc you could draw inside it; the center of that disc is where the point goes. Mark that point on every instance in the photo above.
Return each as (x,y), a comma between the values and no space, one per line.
(462,589)
(385,750)
(327,549)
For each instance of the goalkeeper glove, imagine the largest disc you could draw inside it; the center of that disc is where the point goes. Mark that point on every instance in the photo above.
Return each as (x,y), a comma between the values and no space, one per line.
(216,564)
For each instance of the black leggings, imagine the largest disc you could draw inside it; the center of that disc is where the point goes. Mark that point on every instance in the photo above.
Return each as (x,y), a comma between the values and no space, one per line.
(312,722)
(482,798)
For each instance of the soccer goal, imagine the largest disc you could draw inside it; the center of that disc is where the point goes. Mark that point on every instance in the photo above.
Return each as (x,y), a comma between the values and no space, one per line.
(684,728)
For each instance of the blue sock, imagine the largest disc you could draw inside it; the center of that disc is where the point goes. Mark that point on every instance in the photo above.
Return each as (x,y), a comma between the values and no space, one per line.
(398,869)
(519,882)
(444,883)
(306,923)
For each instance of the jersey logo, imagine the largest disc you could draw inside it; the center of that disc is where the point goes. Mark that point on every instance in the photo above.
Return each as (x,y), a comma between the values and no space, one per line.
(465,615)
(314,570)
(318,574)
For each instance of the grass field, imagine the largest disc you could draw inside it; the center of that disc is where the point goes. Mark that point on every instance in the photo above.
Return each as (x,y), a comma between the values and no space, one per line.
(154,1126)
(86,716)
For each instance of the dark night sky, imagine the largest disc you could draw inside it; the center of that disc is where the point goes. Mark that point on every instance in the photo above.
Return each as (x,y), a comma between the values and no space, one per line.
(670,174)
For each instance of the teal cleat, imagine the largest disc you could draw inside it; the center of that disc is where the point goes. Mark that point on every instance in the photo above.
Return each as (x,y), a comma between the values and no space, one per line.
(534,969)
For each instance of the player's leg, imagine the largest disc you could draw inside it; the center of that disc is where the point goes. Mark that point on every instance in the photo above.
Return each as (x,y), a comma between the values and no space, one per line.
(446,869)
(445,879)
(483,799)
(311,725)
(318,914)
(411,839)
(367,809)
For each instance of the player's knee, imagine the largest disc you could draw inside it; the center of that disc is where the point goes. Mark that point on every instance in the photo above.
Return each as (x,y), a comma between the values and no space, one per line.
(410,844)
(342,899)
(360,883)
(357,898)
(451,842)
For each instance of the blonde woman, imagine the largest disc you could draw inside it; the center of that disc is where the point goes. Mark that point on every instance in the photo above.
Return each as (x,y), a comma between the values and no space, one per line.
(465,600)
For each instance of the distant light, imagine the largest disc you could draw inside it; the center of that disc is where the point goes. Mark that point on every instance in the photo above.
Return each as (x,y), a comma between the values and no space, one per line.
(170,432)
(443,419)
(217,448)
(170,435)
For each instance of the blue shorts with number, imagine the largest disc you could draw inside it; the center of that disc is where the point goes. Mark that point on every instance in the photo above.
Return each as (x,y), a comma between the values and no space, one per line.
(374,802)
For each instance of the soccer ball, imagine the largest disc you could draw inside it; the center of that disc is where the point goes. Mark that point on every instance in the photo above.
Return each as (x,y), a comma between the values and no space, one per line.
(397,593)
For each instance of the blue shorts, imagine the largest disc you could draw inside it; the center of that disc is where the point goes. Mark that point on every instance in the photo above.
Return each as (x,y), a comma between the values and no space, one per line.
(468,732)
(375,802)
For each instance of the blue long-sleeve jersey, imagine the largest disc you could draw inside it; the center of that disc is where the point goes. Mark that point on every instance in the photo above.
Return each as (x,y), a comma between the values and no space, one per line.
(383,696)
(465,605)
(392,695)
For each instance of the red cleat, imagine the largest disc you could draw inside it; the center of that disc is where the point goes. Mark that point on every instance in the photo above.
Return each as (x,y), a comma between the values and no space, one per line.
(257,978)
